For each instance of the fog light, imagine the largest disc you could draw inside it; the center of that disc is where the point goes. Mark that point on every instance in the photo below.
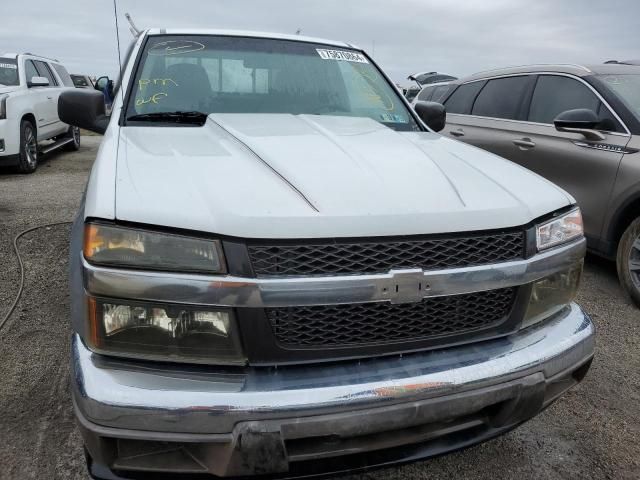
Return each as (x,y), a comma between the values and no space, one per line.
(551,294)
(175,333)
(1,145)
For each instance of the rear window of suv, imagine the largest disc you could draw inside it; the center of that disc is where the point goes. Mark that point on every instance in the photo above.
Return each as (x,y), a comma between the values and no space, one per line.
(425,94)
(502,98)
(63,74)
(433,94)
(439,93)
(462,99)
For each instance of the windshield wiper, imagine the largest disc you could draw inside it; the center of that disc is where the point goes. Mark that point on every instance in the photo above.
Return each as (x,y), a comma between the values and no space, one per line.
(197,118)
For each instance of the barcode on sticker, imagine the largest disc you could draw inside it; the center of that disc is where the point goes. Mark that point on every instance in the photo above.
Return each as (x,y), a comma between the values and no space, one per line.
(9,65)
(342,55)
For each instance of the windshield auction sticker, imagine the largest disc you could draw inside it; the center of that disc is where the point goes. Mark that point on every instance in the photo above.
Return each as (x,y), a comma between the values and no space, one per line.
(342,55)
(9,65)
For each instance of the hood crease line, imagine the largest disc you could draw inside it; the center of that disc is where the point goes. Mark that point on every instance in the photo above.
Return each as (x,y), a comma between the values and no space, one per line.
(445,175)
(267,164)
(504,189)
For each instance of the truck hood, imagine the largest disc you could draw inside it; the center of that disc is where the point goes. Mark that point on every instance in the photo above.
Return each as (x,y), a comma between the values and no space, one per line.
(308,176)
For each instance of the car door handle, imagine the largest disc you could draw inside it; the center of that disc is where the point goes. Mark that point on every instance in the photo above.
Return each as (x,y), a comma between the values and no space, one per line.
(524,143)
(457,133)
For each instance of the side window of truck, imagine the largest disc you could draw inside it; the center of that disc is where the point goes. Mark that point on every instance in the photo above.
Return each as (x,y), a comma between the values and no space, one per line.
(502,98)
(461,101)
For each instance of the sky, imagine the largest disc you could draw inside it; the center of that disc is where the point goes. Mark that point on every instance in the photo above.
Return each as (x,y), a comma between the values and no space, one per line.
(403,36)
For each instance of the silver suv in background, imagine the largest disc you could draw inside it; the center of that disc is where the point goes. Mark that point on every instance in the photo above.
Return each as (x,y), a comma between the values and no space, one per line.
(435,92)
(423,79)
(574,125)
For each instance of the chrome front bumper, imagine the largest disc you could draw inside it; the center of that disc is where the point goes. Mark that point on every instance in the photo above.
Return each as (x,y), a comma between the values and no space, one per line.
(137,416)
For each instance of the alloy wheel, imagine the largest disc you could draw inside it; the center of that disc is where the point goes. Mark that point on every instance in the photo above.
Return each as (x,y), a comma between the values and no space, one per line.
(30,146)
(75,134)
(634,262)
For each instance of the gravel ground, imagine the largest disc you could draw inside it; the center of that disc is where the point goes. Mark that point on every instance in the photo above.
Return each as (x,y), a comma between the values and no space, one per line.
(593,432)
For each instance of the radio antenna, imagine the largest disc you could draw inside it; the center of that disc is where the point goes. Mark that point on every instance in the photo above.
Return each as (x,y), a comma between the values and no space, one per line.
(135,31)
(115,14)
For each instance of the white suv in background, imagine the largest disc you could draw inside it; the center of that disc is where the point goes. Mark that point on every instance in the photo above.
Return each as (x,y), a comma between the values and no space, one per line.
(29,89)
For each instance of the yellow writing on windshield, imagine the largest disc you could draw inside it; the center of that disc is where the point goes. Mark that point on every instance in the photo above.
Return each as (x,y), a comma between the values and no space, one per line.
(145,82)
(370,89)
(155,98)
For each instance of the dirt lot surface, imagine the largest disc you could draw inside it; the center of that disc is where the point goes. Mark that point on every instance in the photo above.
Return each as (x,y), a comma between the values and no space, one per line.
(593,432)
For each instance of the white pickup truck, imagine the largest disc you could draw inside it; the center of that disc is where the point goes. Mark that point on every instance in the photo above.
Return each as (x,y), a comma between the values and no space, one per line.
(279,268)
(29,89)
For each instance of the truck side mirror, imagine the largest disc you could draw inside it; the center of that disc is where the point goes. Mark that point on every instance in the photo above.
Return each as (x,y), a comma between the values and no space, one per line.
(84,109)
(38,82)
(433,114)
(579,120)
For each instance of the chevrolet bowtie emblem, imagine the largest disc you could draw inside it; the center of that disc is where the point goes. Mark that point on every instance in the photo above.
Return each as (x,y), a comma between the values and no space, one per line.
(406,286)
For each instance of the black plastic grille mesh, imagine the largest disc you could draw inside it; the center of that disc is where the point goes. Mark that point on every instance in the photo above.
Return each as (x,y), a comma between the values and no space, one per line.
(379,257)
(367,323)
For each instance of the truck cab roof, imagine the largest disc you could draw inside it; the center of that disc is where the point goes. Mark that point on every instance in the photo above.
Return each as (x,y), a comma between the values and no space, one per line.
(247,33)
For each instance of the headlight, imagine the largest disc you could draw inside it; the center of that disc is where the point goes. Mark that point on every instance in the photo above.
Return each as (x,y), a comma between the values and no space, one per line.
(172,333)
(551,294)
(3,106)
(560,230)
(126,247)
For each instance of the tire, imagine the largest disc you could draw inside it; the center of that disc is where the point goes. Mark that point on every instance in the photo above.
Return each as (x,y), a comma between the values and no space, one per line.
(628,261)
(74,133)
(28,157)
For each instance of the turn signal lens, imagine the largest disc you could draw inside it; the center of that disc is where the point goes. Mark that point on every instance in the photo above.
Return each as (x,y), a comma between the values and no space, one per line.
(128,247)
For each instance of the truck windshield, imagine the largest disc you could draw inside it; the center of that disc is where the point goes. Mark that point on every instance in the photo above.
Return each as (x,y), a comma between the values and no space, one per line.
(218,74)
(627,88)
(8,72)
